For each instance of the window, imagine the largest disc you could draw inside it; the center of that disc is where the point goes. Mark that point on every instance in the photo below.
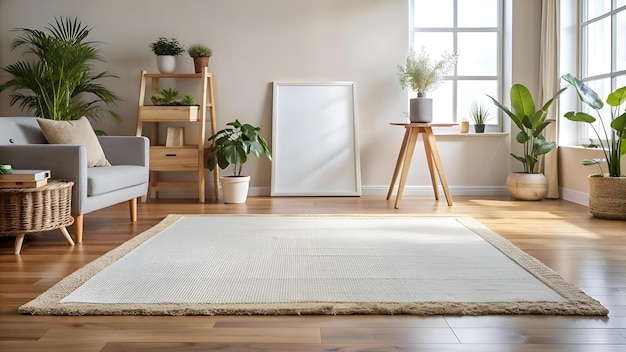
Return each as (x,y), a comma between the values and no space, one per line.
(603,61)
(473,29)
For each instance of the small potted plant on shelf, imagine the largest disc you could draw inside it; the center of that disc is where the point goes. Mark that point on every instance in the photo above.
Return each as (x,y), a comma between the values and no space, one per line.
(177,108)
(170,96)
(231,146)
(423,75)
(166,50)
(607,191)
(529,185)
(200,55)
(480,114)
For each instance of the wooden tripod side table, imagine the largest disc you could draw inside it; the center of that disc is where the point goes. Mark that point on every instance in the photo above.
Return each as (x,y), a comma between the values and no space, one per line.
(412,131)
(33,210)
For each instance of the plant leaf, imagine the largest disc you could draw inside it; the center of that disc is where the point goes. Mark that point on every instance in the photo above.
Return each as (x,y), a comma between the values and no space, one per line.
(522,102)
(588,162)
(619,124)
(617,97)
(580,117)
(586,94)
(522,137)
(543,147)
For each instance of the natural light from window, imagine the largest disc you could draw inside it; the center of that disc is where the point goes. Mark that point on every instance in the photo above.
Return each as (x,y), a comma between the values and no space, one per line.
(473,29)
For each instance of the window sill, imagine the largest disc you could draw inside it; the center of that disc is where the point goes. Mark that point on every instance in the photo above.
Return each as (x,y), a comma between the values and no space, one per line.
(472,135)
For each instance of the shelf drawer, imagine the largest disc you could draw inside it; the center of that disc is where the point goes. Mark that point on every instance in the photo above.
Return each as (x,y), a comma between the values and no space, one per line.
(168,113)
(173,159)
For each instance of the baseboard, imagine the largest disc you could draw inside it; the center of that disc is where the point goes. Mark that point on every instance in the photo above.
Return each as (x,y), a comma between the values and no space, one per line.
(428,190)
(574,196)
(484,191)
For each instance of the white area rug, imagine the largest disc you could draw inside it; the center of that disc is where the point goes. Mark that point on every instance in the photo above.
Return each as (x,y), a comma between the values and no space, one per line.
(207,264)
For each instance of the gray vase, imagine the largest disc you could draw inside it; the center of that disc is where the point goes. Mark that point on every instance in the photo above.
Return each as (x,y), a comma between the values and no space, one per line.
(421,110)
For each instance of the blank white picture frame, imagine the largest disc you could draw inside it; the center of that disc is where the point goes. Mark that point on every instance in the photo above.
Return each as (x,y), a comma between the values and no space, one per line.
(315,149)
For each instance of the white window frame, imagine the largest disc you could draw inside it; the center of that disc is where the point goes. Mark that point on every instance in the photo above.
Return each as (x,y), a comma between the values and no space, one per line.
(585,132)
(494,124)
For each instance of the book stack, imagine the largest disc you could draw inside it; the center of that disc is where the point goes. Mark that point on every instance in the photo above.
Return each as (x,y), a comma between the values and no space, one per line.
(24,179)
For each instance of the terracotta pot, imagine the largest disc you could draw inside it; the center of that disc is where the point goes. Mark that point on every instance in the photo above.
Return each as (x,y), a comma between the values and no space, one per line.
(200,62)
(524,186)
(607,197)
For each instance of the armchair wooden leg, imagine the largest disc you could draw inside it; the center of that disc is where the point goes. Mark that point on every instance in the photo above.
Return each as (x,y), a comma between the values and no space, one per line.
(133,209)
(78,228)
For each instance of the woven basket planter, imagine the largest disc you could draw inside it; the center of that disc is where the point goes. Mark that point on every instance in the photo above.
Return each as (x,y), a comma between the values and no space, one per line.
(32,210)
(607,197)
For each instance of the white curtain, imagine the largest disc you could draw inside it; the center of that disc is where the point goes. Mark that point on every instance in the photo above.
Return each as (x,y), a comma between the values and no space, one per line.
(549,84)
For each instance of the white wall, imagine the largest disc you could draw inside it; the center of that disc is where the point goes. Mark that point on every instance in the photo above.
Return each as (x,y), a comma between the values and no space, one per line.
(257,42)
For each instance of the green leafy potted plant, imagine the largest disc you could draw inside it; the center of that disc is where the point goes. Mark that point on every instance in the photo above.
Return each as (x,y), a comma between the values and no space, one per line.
(528,185)
(166,50)
(607,191)
(421,75)
(170,96)
(231,146)
(200,54)
(480,114)
(58,82)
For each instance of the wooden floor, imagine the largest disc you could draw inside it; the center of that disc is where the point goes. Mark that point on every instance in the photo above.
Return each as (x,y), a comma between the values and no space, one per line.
(588,252)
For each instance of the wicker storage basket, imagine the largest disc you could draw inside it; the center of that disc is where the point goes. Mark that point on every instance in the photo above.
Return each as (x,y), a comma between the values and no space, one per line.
(31,210)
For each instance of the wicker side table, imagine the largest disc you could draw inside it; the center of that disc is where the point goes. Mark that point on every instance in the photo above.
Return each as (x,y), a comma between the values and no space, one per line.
(33,210)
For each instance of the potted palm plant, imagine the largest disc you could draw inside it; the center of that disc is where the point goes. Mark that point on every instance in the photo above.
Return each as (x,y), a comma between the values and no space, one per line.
(231,146)
(166,50)
(529,185)
(607,191)
(422,75)
(58,81)
(200,54)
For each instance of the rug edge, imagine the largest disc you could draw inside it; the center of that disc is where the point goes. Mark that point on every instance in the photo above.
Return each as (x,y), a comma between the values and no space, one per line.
(533,265)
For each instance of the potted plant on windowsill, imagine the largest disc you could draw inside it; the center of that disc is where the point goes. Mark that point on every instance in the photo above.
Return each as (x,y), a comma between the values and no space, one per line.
(480,114)
(607,191)
(528,185)
(200,55)
(166,50)
(231,146)
(423,75)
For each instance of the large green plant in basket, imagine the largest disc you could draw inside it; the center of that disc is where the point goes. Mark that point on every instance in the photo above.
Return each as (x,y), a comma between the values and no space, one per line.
(612,142)
(56,80)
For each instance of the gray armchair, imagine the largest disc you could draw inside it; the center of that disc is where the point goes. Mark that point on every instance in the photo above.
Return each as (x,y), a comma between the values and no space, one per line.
(23,146)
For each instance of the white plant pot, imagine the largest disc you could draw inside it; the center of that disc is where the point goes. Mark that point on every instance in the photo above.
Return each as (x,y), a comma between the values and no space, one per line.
(235,188)
(166,63)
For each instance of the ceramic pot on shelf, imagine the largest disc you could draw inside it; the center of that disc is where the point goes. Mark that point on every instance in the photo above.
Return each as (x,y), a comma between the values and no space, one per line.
(166,63)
